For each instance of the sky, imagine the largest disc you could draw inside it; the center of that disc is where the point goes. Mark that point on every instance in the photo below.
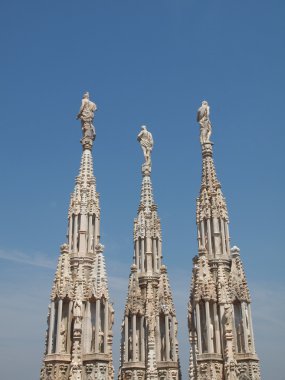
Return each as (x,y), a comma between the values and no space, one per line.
(143,62)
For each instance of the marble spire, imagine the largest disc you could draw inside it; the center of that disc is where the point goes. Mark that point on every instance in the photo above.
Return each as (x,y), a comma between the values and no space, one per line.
(80,319)
(219,310)
(149,347)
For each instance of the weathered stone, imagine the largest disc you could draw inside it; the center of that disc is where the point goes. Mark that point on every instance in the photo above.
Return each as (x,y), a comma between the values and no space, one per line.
(80,320)
(149,347)
(219,317)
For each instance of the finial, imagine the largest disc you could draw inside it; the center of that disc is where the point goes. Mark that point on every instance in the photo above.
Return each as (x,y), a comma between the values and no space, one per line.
(146,141)
(99,248)
(203,118)
(235,251)
(86,115)
(64,248)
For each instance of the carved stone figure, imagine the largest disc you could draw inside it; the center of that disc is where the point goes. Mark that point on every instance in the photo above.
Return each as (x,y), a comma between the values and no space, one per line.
(62,370)
(86,115)
(140,375)
(203,118)
(101,340)
(49,370)
(232,370)
(228,317)
(75,373)
(102,372)
(89,371)
(128,375)
(111,316)
(77,308)
(63,336)
(146,141)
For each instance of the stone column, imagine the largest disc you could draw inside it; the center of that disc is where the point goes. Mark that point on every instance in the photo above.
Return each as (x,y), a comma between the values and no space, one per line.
(202,233)
(154,254)
(235,343)
(70,231)
(59,315)
(173,340)
(106,326)
(94,232)
(251,328)
(227,237)
(159,252)
(137,253)
(68,336)
(217,237)
(51,328)
(149,262)
(217,329)
(97,230)
(90,234)
(134,328)
(208,322)
(126,338)
(210,249)
(87,344)
(142,255)
(75,232)
(198,322)
(222,312)
(158,343)
(167,342)
(245,337)
(223,237)
(142,339)
(82,235)
(97,325)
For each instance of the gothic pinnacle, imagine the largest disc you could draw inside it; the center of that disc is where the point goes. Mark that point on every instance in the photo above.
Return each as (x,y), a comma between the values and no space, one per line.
(80,320)
(219,310)
(149,348)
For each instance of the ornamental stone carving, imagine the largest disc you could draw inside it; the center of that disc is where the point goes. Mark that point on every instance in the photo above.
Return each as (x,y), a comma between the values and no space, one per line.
(80,290)
(149,328)
(86,115)
(219,318)
(146,141)
(203,118)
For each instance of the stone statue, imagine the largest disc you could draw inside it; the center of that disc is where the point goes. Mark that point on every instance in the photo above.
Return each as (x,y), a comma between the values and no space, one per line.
(63,336)
(232,370)
(203,118)
(102,372)
(75,374)
(111,316)
(212,336)
(146,141)
(228,317)
(86,115)
(77,308)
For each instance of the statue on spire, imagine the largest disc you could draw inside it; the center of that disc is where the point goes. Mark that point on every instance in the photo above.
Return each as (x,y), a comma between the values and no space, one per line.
(203,118)
(146,141)
(86,115)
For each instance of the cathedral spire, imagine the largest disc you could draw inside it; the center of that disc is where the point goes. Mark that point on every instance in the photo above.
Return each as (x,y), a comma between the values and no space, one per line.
(219,312)
(211,212)
(149,348)
(79,335)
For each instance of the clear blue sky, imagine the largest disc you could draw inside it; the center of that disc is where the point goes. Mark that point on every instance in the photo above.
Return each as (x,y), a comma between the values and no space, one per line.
(149,62)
